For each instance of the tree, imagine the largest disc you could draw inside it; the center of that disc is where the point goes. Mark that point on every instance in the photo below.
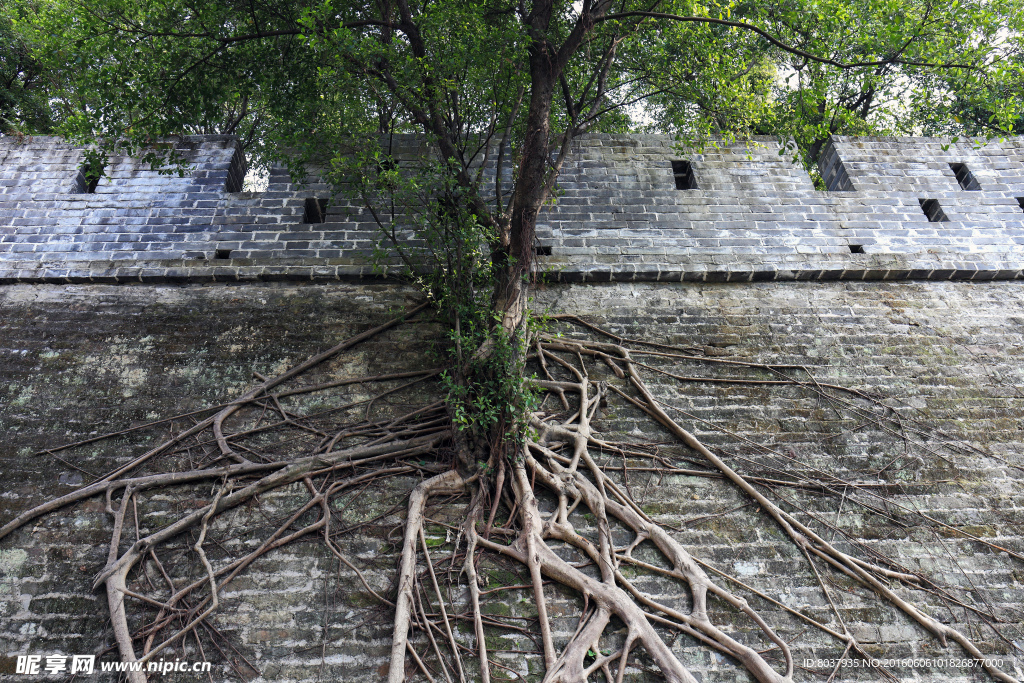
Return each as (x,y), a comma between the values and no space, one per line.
(23,89)
(501,90)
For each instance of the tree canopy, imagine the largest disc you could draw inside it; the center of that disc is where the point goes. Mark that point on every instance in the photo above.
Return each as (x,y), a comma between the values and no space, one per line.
(298,73)
(24,88)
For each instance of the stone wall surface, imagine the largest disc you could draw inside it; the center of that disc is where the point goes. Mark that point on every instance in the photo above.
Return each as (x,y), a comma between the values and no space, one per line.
(750,214)
(754,214)
(162,294)
(79,361)
(84,359)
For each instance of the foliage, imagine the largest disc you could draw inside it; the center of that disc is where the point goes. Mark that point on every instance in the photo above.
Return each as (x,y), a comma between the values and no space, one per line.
(24,106)
(278,72)
(995,109)
(431,237)
(958,52)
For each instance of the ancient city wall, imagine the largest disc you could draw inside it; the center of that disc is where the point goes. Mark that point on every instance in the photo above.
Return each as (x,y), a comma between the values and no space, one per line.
(117,337)
(744,213)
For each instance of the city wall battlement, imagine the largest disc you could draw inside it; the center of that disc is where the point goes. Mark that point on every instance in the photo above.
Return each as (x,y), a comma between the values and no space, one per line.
(628,208)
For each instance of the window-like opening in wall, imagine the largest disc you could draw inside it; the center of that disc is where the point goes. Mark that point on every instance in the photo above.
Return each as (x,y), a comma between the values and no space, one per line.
(315,210)
(683,172)
(222,254)
(237,169)
(856,249)
(88,178)
(932,209)
(1020,201)
(542,251)
(965,177)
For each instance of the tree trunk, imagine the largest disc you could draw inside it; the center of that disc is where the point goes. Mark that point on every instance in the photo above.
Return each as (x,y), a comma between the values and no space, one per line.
(515,251)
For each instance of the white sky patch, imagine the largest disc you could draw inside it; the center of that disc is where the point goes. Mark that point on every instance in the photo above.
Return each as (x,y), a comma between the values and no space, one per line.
(257,179)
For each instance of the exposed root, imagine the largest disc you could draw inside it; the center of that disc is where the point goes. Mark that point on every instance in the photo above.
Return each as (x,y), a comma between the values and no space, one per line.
(449,483)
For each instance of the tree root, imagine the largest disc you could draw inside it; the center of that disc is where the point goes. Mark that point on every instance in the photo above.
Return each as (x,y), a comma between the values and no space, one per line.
(446,484)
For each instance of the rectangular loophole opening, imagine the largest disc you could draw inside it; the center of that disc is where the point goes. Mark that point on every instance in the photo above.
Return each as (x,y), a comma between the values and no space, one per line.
(932,210)
(856,249)
(1020,202)
(237,168)
(542,251)
(88,178)
(222,254)
(315,210)
(682,170)
(965,177)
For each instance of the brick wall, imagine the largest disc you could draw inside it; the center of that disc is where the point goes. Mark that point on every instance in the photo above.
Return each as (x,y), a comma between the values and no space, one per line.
(81,359)
(618,215)
(751,265)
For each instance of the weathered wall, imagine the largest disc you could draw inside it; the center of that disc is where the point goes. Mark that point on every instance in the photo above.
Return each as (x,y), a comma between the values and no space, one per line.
(80,360)
(89,358)
(946,353)
(617,215)
(754,214)
(856,284)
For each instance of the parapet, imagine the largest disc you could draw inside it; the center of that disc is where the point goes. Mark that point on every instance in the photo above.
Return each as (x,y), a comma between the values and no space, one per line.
(40,169)
(923,165)
(626,208)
